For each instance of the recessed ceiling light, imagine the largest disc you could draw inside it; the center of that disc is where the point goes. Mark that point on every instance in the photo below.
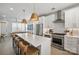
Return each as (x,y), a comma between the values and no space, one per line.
(12,9)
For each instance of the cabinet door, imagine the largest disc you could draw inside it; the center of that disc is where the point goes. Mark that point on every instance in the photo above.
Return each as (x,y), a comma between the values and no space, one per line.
(73,45)
(67,19)
(78,46)
(70,44)
(77,16)
(3,27)
(70,18)
(67,43)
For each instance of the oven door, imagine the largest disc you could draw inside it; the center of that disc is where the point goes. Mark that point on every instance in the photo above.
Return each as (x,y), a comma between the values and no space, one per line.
(57,41)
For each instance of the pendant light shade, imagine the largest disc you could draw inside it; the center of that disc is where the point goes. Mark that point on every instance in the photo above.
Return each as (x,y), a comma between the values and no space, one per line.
(24,21)
(34,17)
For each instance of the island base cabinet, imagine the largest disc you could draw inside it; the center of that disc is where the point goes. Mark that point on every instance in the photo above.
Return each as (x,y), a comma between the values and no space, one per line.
(70,44)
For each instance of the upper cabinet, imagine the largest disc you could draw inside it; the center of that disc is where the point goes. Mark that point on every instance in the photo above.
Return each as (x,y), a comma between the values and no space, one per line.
(48,21)
(72,18)
(77,16)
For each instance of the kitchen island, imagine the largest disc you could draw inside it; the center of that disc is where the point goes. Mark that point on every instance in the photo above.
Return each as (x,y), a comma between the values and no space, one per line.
(38,41)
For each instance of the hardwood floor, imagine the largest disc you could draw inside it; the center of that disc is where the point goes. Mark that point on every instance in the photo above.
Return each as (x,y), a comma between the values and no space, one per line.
(7,49)
(55,51)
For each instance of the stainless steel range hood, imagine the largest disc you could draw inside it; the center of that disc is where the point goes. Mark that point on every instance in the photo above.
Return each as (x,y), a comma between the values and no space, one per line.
(59,17)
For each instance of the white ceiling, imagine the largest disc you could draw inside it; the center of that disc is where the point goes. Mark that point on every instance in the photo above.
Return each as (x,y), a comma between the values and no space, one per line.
(39,8)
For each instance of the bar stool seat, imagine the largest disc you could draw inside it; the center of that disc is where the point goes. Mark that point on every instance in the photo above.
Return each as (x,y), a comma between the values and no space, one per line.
(13,34)
(28,50)
(13,38)
(17,40)
(22,47)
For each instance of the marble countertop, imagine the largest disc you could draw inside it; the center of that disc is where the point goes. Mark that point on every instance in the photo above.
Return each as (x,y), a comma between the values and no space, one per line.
(72,36)
(34,39)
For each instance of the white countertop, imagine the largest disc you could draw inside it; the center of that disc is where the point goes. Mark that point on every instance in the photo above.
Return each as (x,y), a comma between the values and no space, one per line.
(72,36)
(34,39)
(47,33)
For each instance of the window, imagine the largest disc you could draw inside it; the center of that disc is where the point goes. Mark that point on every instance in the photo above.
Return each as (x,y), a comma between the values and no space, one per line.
(19,27)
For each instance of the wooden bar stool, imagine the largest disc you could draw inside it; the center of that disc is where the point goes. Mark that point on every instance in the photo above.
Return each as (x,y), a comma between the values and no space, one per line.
(15,40)
(13,34)
(18,45)
(17,50)
(28,50)
(31,50)
(22,47)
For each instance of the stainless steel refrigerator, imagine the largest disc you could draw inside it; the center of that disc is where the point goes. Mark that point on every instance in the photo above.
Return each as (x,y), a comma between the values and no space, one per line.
(38,29)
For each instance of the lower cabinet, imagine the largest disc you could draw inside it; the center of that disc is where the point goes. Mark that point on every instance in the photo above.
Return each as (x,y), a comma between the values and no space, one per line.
(78,47)
(71,44)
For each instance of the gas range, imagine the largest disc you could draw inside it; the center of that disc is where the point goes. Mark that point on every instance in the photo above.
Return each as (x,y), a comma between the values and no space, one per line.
(58,40)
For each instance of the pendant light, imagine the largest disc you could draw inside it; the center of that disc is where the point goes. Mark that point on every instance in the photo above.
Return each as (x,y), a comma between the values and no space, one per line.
(24,20)
(34,16)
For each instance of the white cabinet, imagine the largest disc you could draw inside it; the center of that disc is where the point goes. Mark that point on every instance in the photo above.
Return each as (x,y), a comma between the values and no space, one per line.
(48,21)
(73,45)
(67,44)
(70,44)
(72,18)
(77,16)
(78,47)
(69,18)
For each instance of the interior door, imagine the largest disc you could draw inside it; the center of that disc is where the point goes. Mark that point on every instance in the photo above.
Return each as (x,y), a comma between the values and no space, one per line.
(3,28)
